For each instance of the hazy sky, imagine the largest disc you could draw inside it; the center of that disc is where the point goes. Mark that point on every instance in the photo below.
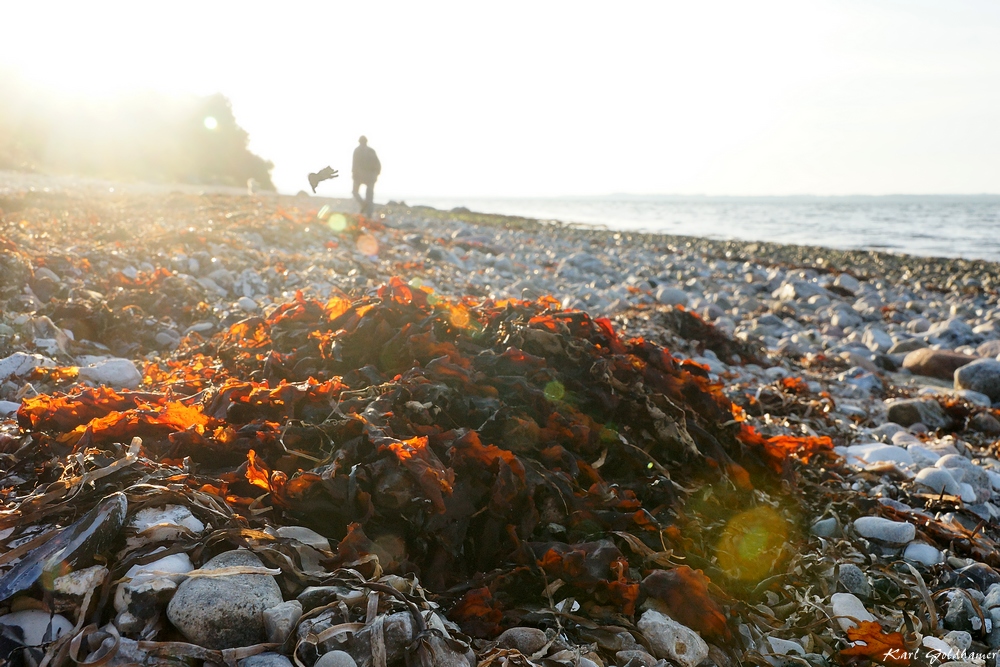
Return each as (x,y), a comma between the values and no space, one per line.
(561,98)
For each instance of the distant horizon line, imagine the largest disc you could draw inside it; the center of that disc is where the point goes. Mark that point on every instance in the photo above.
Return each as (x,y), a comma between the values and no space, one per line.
(701,197)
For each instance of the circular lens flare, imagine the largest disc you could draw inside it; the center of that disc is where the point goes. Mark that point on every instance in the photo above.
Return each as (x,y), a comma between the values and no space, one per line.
(338,223)
(210,123)
(752,543)
(367,245)
(555,391)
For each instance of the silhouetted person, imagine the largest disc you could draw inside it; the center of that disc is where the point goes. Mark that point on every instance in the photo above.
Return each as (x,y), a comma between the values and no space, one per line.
(365,171)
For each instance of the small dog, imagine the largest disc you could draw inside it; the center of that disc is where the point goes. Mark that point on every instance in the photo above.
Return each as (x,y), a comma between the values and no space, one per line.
(324,174)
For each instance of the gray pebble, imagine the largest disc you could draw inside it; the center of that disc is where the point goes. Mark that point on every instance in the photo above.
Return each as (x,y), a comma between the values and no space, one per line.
(635,659)
(826,528)
(525,640)
(982,375)
(265,660)
(280,619)
(854,580)
(224,612)
(336,659)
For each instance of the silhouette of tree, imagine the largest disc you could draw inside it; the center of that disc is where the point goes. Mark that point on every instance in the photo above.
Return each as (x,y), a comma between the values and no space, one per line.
(141,136)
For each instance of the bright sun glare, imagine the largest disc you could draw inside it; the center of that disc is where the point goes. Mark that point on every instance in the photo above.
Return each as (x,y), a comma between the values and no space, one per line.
(211,123)
(725,97)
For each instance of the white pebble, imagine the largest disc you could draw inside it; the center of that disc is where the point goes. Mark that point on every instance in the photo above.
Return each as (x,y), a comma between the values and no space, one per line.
(846,604)
(884,530)
(34,623)
(669,639)
(875,452)
(922,553)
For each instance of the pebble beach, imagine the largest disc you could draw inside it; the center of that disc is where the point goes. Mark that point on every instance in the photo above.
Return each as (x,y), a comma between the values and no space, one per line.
(839,406)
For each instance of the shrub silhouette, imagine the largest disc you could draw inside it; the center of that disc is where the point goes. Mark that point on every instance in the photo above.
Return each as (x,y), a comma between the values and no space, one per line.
(145,136)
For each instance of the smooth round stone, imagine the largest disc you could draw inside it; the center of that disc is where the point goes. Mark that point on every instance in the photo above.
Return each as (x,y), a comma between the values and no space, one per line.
(336,659)
(938,480)
(115,373)
(636,658)
(671,296)
(165,339)
(967,492)
(982,376)
(305,536)
(994,478)
(922,553)
(922,455)
(525,640)
(846,604)
(876,340)
(266,660)
(964,470)
(940,364)
(976,397)
(848,282)
(877,452)
(905,439)
(247,304)
(884,530)
(854,580)
(886,430)
(986,423)
(225,612)
(909,411)
(826,527)
(954,461)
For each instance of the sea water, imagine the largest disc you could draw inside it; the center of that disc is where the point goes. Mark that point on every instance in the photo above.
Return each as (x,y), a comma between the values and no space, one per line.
(939,226)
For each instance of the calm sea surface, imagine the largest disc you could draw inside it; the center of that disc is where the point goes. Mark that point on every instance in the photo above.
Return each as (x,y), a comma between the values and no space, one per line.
(943,226)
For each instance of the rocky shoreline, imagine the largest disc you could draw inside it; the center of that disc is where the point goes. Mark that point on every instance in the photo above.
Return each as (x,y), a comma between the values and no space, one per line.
(857,446)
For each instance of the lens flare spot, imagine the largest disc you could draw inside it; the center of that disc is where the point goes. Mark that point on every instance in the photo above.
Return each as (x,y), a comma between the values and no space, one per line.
(324,212)
(555,391)
(752,544)
(367,245)
(416,283)
(459,316)
(338,223)
(210,123)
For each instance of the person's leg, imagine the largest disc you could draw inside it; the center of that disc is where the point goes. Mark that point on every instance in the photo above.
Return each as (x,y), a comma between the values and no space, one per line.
(357,195)
(369,200)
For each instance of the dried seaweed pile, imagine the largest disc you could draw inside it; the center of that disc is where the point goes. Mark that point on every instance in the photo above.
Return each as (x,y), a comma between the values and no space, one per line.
(475,465)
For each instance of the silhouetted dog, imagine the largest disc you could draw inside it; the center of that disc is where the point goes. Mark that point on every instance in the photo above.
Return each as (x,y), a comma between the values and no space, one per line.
(324,174)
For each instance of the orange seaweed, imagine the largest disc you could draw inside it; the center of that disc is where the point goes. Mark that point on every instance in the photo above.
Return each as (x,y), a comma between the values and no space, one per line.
(881,647)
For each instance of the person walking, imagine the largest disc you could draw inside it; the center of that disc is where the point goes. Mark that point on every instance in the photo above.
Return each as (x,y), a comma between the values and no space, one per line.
(365,171)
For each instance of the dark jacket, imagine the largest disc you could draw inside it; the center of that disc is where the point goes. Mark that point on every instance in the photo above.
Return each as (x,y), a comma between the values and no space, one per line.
(366,167)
